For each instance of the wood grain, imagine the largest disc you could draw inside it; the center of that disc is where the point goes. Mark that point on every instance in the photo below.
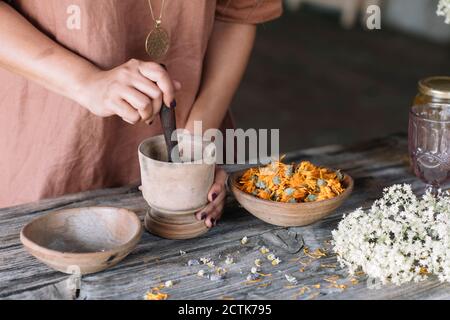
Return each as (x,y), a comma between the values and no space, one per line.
(374,165)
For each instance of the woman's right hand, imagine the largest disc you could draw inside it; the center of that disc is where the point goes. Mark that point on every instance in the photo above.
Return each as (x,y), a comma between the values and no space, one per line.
(133,91)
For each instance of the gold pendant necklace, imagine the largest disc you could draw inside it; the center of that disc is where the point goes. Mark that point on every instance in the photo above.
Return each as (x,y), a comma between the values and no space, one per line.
(158,41)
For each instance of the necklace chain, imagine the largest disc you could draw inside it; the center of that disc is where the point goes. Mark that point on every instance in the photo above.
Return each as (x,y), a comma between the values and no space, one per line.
(159,20)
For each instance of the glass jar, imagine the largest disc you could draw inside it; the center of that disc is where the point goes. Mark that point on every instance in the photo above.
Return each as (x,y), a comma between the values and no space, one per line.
(429,132)
(433,90)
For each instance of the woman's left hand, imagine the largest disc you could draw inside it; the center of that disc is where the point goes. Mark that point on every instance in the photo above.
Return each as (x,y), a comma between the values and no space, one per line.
(216,196)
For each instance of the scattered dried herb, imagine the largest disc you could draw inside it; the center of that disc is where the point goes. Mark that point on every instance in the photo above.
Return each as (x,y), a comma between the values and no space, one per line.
(253,281)
(316,254)
(253,277)
(264,250)
(330,266)
(313,296)
(276,261)
(156,294)
(265,274)
(264,285)
(291,279)
(193,262)
(332,279)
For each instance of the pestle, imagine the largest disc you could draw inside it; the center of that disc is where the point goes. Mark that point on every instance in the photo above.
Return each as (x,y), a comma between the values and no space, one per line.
(168,122)
(169,125)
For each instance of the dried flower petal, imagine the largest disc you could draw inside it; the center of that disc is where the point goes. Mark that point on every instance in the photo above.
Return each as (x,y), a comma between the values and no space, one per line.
(276,262)
(303,290)
(276,180)
(155,294)
(221,271)
(264,285)
(332,279)
(193,262)
(265,274)
(271,257)
(201,273)
(313,295)
(291,279)
(264,250)
(216,277)
(253,277)
(151,295)
(331,266)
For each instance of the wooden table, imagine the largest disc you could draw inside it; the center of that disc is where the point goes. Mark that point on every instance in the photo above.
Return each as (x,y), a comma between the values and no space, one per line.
(374,165)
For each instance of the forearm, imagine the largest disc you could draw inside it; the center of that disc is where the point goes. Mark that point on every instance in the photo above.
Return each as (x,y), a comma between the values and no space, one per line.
(226,60)
(26,51)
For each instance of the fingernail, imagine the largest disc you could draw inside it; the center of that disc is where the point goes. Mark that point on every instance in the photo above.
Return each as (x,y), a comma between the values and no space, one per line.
(173,104)
(203,216)
(214,196)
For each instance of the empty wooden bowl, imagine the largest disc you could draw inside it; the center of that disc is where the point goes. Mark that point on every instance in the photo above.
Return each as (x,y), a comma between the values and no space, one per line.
(289,214)
(85,240)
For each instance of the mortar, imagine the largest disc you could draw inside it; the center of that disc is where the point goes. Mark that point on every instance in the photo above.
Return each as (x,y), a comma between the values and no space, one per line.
(176,191)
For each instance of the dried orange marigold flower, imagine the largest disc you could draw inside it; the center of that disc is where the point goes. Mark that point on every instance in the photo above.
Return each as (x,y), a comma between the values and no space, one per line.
(294,183)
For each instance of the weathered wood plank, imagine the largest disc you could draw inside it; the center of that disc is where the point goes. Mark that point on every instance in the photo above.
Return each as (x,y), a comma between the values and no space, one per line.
(374,165)
(57,291)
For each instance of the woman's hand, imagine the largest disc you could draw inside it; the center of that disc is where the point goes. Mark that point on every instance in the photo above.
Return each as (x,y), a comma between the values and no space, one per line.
(134,91)
(216,196)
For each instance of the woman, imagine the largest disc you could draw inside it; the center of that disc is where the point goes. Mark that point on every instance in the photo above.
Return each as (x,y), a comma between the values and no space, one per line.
(79,92)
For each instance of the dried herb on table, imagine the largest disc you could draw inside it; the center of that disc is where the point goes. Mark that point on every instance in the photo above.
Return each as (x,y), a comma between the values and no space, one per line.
(156,294)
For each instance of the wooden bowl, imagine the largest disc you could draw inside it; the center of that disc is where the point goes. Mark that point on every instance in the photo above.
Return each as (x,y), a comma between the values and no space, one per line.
(85,240)
(289,214)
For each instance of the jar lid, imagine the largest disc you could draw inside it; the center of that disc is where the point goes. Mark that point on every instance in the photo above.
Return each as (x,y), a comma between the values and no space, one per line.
(438,87)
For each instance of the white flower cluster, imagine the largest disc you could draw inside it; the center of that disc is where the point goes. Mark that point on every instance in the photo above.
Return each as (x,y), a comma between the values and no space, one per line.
(401,238)
(444,10)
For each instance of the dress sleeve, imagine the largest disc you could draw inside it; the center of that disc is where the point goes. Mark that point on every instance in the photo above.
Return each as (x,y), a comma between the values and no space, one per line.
(248,11)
